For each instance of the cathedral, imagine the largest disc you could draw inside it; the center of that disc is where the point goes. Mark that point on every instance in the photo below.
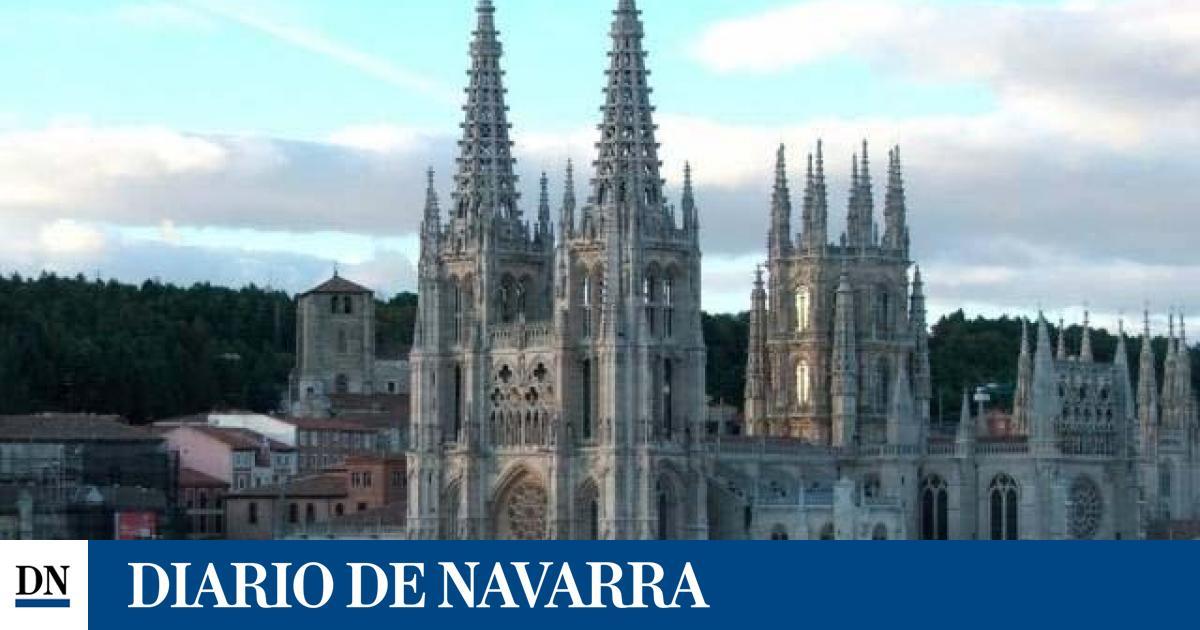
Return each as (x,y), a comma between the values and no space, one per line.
(557,373)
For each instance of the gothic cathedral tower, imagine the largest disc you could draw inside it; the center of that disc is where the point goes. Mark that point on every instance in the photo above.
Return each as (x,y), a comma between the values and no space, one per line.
(558,384)
(839,348)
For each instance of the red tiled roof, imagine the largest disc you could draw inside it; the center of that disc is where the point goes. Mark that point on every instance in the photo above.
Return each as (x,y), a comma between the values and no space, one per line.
(338,284)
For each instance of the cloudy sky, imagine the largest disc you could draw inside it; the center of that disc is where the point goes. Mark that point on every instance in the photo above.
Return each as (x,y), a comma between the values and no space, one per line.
(1052,148)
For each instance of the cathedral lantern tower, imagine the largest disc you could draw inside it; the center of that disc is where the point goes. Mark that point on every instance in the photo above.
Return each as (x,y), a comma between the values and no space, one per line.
(842,309)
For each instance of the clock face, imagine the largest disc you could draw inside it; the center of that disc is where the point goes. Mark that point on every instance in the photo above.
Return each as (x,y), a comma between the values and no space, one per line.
(1086,509)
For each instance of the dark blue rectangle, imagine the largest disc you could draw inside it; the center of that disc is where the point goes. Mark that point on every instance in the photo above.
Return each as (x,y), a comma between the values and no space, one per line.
(43,603)
(932,586)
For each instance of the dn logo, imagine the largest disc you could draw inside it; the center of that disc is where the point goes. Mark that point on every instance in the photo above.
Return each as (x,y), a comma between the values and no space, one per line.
(42,587)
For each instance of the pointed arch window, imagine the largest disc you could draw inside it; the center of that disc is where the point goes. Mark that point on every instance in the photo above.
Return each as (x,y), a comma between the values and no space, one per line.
(883,376)
(935,510)
(803,309)
(458,313)
(586,297)
(1002,499)
(669,305)
(668,398)
(883,312)
(649,299)
(803,383)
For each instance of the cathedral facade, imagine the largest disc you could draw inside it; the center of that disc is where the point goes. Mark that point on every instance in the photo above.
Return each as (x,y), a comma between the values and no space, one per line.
(557,373)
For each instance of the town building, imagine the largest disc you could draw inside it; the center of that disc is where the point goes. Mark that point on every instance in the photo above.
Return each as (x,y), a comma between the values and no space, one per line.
(239,457)
(363,498)
(336,352)
(80,477)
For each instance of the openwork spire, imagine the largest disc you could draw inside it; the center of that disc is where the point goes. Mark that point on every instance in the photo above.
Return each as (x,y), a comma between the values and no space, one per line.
(1147,394)
(627,167)
(860,215)
(566,219)
(818,234)
(1062,339)
(781,207)
(485,185)
(895,212)
(433,211)
(544,205)
(688,202)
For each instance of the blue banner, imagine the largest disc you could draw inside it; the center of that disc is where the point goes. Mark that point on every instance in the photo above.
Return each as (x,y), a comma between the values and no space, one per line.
(606,585)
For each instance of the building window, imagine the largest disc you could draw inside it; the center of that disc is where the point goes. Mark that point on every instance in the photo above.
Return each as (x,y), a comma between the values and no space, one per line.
(342,384)
(648,300)
(828,533)
(1002,495)
(310,513)
(883,312)
(348,305)
(391,387)
(339,509)
(882,384)
(586,295)
(803,309)
(779,533)
(252,514)
(334,303)
(293,513)
(935,509)
(880,532)
(1085,509)
(362,507)
(669,306)
(458,400)
(587,399)
(668,398)
(458,313)
(803,384)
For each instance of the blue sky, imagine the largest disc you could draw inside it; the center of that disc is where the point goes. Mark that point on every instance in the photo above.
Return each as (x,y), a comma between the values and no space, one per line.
(268,140)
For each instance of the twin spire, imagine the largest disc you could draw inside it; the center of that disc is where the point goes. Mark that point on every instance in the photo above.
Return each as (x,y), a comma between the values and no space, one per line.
(861,231)
(627,168)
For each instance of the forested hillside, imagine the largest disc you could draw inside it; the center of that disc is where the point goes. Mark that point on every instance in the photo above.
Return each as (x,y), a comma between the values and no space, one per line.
(157,351)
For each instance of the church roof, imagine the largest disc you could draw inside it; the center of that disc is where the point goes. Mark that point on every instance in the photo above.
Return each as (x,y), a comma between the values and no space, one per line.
(338,284)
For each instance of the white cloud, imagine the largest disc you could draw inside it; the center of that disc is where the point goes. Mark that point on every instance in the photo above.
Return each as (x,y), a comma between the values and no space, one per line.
(71,238)
(63,164)
(1122,70)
